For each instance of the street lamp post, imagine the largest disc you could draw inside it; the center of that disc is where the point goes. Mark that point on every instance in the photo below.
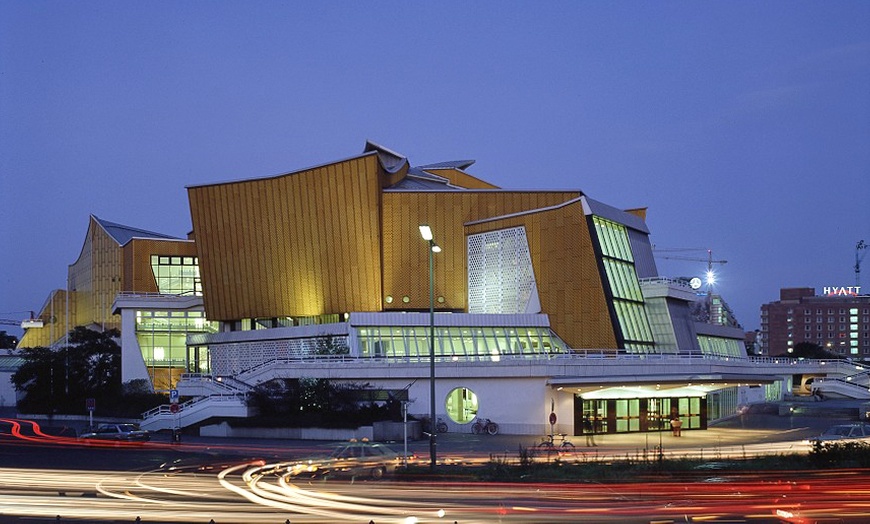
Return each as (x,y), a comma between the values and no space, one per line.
(426,233)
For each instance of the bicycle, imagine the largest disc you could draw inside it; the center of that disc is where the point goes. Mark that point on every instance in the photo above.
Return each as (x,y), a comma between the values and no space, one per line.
(440,426)
(484,426)
(564,446)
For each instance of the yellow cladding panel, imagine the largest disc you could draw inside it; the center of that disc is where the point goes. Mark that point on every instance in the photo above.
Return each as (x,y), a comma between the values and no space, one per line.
(138,274)
(54,322)
(461,179)
(302,244)
(566,272)
(406,263)
(95,278)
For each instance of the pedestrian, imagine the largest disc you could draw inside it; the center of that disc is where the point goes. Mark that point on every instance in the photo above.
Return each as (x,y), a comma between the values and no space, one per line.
(589,430)
(676,424)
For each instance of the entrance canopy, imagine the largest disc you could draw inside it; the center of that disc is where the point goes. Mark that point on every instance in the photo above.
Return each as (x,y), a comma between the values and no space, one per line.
(651,386)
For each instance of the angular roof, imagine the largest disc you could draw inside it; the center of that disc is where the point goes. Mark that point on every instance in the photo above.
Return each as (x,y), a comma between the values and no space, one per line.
(450,164)
(123,234)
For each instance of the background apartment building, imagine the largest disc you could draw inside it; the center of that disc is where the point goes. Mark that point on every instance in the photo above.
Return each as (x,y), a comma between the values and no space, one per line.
(838,320)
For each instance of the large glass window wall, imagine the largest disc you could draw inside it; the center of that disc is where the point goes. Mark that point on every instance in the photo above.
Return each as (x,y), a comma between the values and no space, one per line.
(624,286)
(458,343)
(721,347)
(162,337)
(638,414)
(176,275)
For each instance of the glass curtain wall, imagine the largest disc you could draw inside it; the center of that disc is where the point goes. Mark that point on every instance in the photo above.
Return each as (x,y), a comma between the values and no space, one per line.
(176,275)
(630,415)
(721,347)
(624,285)
(162,337)
(459,343)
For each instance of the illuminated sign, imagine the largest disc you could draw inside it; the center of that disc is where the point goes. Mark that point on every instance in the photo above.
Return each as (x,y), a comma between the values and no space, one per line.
(841,291)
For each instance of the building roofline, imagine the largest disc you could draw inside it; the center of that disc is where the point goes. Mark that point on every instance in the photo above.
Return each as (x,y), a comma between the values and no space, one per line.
(279,175)
(524,213)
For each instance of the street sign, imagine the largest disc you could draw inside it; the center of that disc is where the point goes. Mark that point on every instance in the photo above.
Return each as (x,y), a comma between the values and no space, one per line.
(91,404)
(173,396)
(173,408)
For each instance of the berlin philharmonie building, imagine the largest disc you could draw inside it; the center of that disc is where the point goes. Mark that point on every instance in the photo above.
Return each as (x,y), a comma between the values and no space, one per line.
(518,305)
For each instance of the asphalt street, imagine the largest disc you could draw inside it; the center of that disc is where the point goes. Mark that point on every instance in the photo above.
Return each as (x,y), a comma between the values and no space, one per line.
(761,426)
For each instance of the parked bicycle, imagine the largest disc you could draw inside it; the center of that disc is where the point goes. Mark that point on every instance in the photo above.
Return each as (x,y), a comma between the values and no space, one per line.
(440,426)
(484,426)
(563,446)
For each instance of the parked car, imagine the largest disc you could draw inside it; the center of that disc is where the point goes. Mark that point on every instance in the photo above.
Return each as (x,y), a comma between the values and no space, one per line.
(117,432)
(357,458)
(854,432)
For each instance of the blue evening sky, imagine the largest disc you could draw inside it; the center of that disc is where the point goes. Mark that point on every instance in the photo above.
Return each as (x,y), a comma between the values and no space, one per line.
(744,126)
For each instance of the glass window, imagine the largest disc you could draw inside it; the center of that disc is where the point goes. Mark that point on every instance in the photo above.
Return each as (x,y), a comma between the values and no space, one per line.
(461,405)
(176,275)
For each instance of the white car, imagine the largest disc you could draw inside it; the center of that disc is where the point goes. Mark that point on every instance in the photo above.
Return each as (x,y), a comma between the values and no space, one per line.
(854,432)
(117,432)
(353,459)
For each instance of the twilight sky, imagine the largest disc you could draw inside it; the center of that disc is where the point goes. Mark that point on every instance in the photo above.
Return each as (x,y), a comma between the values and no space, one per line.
(744,126)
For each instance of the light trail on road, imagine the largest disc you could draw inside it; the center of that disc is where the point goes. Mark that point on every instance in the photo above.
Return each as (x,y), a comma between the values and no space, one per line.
(258,492)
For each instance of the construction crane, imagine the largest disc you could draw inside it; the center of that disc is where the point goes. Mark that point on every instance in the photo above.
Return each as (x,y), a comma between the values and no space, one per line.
(31,322)
(710,277)
(709,260)
(860,253)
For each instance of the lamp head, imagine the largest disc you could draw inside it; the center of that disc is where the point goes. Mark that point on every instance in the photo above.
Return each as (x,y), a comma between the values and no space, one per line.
(426,232)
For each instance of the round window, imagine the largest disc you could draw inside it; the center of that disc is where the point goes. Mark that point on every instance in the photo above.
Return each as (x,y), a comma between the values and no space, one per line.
(461,405)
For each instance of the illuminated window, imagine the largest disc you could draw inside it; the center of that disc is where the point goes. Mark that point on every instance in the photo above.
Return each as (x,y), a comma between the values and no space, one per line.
(162,338)
(624,286)
(461,405)
(176,275)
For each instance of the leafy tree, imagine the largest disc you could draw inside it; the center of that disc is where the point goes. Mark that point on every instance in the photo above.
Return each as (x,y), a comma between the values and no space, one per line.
(59,381)
(7,341)
(314,402)
(331,345)
(810,350)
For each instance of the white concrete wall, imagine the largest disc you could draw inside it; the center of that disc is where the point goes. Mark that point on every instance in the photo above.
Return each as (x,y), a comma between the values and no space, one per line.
(225,430)
(132,362)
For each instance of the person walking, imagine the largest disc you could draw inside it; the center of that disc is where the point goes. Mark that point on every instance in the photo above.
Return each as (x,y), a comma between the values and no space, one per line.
(589,430)
(676,423)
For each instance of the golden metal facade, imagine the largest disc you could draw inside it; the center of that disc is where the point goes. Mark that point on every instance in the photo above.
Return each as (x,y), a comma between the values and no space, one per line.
(302,244)
(103,269)
(330,240)
(138,275)
(462,179)
(566,272)
(406,269)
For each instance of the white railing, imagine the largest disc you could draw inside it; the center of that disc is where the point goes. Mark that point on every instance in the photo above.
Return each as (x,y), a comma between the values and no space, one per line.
(840,386)
(228,384)
(166,409)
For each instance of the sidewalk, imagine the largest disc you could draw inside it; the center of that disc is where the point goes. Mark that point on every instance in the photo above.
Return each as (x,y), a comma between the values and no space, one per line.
(760,427)
(758,430)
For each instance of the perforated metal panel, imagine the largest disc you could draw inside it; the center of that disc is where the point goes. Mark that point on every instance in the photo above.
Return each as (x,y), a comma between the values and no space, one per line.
(500,275)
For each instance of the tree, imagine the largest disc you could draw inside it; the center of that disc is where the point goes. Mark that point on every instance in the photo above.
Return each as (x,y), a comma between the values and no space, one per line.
(7,341)
(810,350)
(60,380)
(315,402)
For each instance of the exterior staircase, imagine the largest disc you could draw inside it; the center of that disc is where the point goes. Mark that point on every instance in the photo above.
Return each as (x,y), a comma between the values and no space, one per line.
(213,397)
(841,388)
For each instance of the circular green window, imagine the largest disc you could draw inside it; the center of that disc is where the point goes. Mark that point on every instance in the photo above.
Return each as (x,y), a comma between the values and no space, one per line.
(461,405)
